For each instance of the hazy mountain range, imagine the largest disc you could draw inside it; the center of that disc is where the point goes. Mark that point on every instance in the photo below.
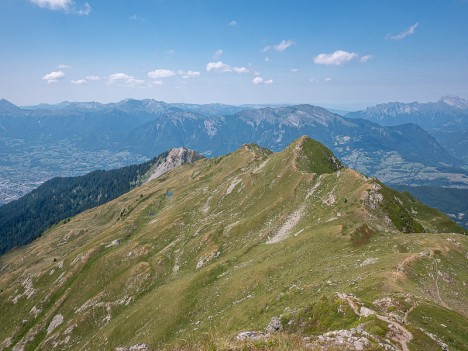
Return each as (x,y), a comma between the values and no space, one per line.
(75,138)
(446,120)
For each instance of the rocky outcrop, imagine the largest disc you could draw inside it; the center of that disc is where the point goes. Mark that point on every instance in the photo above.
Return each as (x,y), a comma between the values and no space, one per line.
(137,347)
(274,326)
(174,157)
(56,321)
(355,339)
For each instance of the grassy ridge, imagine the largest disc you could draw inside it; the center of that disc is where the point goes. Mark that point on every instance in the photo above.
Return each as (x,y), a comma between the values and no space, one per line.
(23,220)
(223,245)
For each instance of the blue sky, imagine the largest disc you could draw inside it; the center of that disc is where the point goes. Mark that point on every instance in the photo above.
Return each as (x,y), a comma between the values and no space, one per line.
(329,52)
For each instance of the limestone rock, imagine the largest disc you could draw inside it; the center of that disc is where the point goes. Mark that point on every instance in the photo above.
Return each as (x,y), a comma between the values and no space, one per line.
(274,326)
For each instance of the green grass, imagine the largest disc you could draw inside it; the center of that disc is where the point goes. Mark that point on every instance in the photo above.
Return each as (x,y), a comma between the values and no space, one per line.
(449,326)
(214,230)
(327,313)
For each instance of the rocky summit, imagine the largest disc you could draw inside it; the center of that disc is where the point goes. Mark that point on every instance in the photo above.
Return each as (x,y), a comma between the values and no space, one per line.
(251,250)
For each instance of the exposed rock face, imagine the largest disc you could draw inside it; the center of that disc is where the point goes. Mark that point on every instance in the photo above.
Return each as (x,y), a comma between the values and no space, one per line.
(56,321)
(274,326)
(137,347)
(374,198)
(250,335)
(355,339)
(175,157)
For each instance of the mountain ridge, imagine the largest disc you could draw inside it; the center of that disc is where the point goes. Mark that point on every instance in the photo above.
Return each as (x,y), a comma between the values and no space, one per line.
(225,245)
(47,143)
(58,199)
(446,119)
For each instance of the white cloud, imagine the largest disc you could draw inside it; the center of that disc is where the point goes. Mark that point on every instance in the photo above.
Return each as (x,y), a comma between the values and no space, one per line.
(221,67)
(122,79)
(233,23)
(161,73)
(217,55)
(267,59)
(317,80)
(118,76)
(136,18)
(54,77)
(218,66)
(240,70)
(188,74)
(260,80)
(257,80)
(79,81)
(337,58)
(167,73)
(294,70)
(93,78)
(281,46)
(366,58)
(411,29)
(157,82)
(62,66)
(63,5)
(85,11)
(67,6)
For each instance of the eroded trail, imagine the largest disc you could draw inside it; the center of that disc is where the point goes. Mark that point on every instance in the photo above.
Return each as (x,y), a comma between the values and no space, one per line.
(398,334)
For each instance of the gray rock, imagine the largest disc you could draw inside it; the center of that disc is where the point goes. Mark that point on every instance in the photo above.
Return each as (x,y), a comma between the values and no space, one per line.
(274,326)
(250,335)
(137,347)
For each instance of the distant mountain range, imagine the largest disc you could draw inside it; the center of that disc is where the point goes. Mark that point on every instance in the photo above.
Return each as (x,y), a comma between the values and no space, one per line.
(75,138)
(446,120)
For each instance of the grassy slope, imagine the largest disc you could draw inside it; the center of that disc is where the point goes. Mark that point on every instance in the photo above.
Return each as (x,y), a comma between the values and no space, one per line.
(192,258)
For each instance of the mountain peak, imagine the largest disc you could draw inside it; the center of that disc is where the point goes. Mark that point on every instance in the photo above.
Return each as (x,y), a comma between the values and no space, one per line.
(454,101)
(7,107)
(313,157)
(171,159)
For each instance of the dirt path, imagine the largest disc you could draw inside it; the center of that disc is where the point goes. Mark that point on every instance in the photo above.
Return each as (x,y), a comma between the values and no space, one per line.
(436,279)
(399,333)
